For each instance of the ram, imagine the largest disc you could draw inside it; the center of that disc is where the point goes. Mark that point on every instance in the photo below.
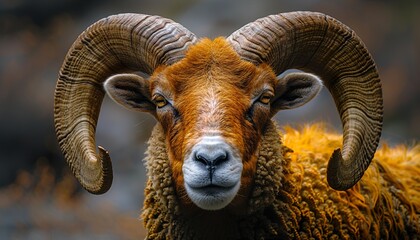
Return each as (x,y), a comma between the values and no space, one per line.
(216,164)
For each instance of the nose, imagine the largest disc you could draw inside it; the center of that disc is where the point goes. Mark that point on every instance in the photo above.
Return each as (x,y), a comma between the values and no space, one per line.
(211,158)
(211,155)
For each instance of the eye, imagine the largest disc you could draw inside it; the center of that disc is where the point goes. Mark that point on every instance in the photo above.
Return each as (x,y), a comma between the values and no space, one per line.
(160,101)
(265,98)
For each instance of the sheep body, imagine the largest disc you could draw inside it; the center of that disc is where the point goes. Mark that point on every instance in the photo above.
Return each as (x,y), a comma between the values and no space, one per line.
(291,198)
(214,100)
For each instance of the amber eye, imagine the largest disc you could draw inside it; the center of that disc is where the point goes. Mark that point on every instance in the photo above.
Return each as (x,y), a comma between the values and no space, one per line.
(265,98)
(160,101)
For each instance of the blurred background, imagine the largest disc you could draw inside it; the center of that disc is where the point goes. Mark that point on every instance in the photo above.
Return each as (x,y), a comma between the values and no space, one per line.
(38,197)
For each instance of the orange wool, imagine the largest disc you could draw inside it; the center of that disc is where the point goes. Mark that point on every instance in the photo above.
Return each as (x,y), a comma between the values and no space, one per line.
(400,163)
(388,195)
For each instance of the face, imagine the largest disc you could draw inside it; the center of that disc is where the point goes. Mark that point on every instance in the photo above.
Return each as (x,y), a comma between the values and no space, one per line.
(213,107)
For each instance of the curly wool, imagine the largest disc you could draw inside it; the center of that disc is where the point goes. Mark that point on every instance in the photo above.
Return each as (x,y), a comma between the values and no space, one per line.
(385,204)
(291,198)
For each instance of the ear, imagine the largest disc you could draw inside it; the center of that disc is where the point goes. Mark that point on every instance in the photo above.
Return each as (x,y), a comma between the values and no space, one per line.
(130,91)
(294,90)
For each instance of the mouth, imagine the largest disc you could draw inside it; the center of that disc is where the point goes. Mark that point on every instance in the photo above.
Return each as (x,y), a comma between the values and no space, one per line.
(212,196)
(211,189)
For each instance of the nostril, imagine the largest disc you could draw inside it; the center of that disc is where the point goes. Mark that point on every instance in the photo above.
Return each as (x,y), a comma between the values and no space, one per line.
(200,158)
(220,158)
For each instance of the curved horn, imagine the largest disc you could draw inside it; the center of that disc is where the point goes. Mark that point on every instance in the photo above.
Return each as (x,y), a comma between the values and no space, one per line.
(119,43)
(322,45)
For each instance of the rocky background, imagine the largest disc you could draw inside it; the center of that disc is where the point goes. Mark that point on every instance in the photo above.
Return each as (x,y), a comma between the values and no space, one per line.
(40,200)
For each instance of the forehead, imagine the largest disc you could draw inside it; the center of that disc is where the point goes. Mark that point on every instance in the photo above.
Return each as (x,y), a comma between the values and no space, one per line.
(214,63)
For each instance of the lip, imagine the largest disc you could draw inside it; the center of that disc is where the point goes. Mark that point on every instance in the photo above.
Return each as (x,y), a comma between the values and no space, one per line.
(211,189)
(212,196)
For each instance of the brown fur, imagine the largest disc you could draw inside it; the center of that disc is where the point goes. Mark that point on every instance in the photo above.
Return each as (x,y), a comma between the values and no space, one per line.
(211,89)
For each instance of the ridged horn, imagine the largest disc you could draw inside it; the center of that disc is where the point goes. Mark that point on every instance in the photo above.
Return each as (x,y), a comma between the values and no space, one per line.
(116,44)
(317,43)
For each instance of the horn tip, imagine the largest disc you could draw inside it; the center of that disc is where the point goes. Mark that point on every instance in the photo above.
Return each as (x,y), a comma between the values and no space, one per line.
(106,179)
(338,176)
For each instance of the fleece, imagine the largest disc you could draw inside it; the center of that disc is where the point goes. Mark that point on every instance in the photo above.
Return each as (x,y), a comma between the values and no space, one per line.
(291,198)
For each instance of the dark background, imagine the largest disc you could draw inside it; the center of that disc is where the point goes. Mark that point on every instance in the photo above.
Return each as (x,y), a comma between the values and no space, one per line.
(39,200)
